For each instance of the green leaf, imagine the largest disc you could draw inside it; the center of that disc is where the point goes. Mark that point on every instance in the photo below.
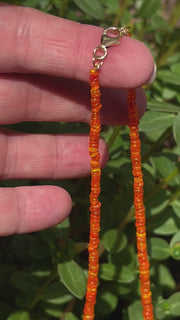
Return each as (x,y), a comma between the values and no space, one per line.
(19,315)
(57,3)
(176,129)
(168,94)
(30,3)
(54,311)
(115,164)
(126,175)
(153,120)
(80,246)
(61,231)
(174,302)
(149,8)
(56,293)
(135,311)
(168,76)
(108,214)
(175,251)
(93,8)
(70,316)
(176,207)
(106,302)
(73,277)
(114,240)
(160,24)
(157,203)
(149,182)
(173,58)
(175,246)
(122,274)
(155,134)
(158,248)
(175,238)
(41,274)
(65,250)
(127,257)
(165,166)
(161,275)
(165,223)
(24,282)
(175,67)
(123,289)
(113,6)
(161,308)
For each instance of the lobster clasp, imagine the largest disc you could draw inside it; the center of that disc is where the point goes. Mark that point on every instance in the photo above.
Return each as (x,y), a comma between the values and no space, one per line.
(111,36)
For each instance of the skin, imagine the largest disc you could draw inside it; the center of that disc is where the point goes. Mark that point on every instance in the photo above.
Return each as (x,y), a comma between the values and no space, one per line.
(44,72)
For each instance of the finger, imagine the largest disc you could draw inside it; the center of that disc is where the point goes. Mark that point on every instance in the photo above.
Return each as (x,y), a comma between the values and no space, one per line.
(28,209)
(45,98)
(35,42)
(31,156)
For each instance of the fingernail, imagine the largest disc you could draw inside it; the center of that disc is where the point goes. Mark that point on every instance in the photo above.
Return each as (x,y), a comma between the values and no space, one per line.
(153,75)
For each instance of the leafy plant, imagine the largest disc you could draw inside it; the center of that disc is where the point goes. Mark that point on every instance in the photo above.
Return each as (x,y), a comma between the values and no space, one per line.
(43,275)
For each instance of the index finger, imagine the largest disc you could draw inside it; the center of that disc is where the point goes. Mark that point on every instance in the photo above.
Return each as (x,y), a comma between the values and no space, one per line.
(34,42)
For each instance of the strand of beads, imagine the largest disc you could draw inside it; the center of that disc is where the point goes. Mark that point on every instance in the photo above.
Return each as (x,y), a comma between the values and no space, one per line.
(95,205)
(139,207)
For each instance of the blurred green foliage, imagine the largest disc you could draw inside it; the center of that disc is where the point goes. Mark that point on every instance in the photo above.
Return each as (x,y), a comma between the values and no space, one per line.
(43,275)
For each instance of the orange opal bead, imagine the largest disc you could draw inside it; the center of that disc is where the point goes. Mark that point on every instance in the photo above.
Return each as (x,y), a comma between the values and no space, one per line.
(95,204)
(135,147)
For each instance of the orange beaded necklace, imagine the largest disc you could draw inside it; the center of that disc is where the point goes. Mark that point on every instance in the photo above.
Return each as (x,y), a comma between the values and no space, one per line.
(109,38)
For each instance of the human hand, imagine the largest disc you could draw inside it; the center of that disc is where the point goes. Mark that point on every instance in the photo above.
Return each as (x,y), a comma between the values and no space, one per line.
(44,72)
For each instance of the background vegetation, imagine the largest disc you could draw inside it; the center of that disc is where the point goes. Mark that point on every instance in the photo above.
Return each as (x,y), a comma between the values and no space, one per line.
(43,275)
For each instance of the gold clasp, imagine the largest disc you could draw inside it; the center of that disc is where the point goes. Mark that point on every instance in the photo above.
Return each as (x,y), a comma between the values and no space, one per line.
(109,38)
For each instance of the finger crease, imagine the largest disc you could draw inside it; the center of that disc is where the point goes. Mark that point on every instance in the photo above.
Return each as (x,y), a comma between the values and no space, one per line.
(58,154)
(21,209)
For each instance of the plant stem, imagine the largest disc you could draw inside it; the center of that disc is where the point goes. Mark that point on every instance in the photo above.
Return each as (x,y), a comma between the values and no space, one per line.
(174,16)
(48,6)
(175,13)
(38,295)
(174,196)
(114,135)
(130,214)
(68,308)
(160,185)
(169,52)
(127,218)
(63,8)
(142,30)
(158,143)
(123,5)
